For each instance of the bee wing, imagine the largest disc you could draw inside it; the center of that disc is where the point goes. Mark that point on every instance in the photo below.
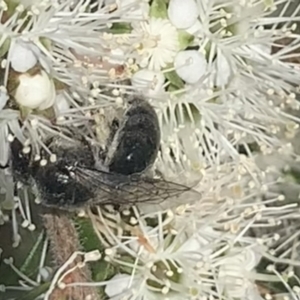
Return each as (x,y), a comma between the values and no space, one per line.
(120,189)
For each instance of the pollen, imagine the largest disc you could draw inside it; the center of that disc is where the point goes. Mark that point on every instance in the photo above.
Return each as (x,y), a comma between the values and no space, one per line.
(43,162)
(10,138)
(53,158)
(26,150)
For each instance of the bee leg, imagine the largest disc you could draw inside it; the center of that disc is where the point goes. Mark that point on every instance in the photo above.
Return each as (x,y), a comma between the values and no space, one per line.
(114,126)
(80,137)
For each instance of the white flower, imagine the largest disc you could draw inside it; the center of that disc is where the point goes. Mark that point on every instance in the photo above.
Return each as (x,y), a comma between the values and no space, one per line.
(201,250)
(149,81)
(53,27)
(35,92)
(61,104)
(157,43)
(162,267)
(234,270)
(238,68)
(117,285)
(179,253)
(195,244)
(190,65)
(183,14)
(222,69)
(22,58)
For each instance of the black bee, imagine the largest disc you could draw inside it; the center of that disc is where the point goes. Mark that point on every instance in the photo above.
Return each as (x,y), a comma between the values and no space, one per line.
(79,177)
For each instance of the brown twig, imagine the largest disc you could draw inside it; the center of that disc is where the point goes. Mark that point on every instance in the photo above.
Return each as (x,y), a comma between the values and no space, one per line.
(63,243)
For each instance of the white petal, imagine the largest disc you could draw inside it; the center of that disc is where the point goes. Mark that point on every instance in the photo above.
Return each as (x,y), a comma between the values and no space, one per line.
(61,104)
(22,57)
(117,56)
(183,14)
(223,70)
(190,65)
(195,246)
(259,51)
(3,98)
(195,28)
(4,145)
(191,245)
(159,43)
(148,81)
(16,130)
(117,284)
(234,269)
(35,92)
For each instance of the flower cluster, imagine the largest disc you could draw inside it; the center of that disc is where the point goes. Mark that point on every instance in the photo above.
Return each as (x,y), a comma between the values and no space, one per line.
(224,79)
(162,256)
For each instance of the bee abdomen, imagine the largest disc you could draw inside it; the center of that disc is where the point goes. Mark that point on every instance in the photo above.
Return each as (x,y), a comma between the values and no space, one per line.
(137,140)
(57,188)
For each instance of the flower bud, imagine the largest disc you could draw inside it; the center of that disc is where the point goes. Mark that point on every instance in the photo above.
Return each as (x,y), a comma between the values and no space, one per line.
(149,81)
(190,65)
(183,14)
(22,57)
(36,91)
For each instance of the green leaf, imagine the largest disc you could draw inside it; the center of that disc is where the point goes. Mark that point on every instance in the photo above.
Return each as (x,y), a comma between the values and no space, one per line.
(171,88)
(268,3)
(11,6)
(88,238)
(292,175)
(31,262)
(185,39)
(175,80)
(120,28)
(48,113)
(101,270)
(26,257)
(24,112)
(36,292)
(90,241)
(47,43)
(105,271)
(158,9)
(5,47)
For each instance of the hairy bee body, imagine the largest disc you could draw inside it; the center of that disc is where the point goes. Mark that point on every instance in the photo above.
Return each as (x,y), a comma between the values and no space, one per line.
(136,143)
(76,179)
